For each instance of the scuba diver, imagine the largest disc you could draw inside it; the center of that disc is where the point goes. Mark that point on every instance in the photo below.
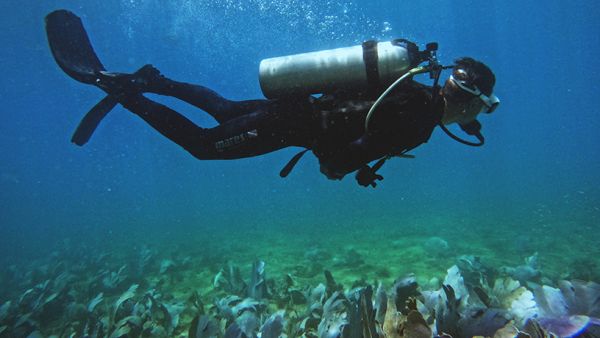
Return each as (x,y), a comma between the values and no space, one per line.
(349,106)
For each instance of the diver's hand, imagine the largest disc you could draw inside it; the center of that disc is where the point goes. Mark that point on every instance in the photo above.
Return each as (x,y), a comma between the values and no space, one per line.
(366,176)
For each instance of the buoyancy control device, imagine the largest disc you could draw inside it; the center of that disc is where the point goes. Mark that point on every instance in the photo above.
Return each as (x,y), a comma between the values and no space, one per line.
(370,65)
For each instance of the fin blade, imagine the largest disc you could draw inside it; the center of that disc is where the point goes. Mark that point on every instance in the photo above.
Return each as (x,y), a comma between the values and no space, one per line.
(291,164)
(92,119)
(71,47)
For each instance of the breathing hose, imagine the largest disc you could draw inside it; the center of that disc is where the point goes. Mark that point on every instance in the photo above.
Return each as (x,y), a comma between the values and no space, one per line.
(416,70)
(465,142)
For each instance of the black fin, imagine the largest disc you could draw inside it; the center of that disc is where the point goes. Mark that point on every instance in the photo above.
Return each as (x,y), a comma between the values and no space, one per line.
(71,46)
(74,54)
(92,119)
(290,165)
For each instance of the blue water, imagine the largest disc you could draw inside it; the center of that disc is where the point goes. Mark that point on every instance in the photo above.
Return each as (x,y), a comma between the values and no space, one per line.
(539,168)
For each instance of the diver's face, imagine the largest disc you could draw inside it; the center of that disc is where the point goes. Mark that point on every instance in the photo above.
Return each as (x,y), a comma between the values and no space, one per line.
(460,107)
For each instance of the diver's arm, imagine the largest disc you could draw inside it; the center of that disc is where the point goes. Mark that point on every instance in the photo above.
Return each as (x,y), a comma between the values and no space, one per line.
(356,155)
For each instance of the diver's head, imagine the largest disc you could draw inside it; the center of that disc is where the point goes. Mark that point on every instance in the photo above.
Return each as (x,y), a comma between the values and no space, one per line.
(468,92)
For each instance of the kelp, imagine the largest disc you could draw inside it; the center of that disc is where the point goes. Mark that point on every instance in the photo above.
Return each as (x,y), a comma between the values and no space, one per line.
(403,289)
(273,326)
(94,302)
(203,327)
(468,303)
(230,280)
(113,279)
(257,288)
(130,293)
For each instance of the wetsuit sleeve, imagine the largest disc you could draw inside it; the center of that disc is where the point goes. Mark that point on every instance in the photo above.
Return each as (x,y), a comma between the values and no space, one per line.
(351,157)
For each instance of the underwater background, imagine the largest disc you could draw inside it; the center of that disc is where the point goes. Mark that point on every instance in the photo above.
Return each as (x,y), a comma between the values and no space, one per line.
(533,188)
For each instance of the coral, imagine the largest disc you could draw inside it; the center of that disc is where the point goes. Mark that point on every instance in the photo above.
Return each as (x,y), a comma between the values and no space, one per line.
(528,272)
(436,246)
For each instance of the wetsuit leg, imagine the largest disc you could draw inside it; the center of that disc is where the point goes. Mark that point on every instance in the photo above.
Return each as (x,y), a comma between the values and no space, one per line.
(165,120)
(204,98)
(267,129)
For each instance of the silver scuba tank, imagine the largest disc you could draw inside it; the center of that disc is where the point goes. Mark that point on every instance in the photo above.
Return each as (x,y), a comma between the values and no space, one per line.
(351,68)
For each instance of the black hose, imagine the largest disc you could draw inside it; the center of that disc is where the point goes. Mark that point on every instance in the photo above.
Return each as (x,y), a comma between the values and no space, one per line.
(458,139)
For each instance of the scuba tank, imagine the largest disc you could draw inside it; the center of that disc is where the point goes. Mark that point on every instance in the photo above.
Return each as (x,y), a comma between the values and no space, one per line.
(370,65)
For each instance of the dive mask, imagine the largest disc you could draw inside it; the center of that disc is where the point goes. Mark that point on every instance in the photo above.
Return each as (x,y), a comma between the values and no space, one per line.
(491,102)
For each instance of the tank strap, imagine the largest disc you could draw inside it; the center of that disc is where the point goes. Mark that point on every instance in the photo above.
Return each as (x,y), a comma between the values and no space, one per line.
(414,55)
(370,57)
(292,163)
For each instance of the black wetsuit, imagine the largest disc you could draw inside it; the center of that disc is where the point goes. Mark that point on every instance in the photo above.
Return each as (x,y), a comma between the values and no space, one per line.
(332,126)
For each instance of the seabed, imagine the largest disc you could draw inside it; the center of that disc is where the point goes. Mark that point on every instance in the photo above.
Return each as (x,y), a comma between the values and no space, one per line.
(378,281)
